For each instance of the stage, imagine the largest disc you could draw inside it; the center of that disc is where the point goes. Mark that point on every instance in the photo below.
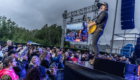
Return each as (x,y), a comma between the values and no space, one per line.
(86,71)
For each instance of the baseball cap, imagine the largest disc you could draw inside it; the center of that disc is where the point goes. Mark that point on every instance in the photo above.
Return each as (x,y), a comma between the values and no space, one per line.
(105,4)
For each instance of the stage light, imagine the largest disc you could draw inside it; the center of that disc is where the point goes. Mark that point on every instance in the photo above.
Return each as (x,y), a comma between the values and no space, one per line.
(96,0)
(71,20)
(65,14)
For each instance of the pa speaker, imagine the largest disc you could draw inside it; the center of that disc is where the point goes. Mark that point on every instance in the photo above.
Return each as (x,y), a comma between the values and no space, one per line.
(127,14)
(112,67)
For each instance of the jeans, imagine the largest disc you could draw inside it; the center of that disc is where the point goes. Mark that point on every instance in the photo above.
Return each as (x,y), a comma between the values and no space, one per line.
(96,36)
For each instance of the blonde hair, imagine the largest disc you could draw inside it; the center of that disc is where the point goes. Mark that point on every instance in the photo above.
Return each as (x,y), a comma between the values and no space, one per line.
(9,41)
(43,55)
(38,63)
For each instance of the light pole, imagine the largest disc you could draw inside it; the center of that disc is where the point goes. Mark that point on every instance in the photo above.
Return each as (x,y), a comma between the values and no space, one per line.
(114,28)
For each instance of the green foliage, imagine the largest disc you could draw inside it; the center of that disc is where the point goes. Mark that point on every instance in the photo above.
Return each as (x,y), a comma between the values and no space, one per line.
(47,35)
(67,44)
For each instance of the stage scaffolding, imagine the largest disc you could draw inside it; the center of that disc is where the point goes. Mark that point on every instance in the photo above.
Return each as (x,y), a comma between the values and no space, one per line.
(71,15)
(123,39)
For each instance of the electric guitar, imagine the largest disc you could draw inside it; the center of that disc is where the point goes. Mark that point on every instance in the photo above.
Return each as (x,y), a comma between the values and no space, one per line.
(91,29)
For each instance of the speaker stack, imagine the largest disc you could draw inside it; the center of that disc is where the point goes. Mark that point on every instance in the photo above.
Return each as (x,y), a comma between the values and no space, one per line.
(127,14)
(137,48)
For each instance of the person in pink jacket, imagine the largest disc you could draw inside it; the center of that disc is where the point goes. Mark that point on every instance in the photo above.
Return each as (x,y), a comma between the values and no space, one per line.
(7,73)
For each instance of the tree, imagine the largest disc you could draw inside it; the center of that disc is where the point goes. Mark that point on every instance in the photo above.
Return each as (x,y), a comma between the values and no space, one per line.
(47,35)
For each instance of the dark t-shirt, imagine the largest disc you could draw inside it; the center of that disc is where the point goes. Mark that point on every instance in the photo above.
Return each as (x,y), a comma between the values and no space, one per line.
(101,20)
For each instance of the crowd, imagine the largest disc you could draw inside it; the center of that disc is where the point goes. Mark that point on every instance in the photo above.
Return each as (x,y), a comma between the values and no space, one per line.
(27,62)
(115,58)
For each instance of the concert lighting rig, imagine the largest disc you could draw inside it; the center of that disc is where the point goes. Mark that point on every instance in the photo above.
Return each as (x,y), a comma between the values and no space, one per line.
(93,8)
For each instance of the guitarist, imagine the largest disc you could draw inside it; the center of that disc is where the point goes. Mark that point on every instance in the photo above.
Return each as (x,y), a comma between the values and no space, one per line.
(100,22)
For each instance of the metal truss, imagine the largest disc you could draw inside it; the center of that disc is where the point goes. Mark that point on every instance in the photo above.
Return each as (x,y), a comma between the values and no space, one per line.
(79,12)
(77,20)
(82,11)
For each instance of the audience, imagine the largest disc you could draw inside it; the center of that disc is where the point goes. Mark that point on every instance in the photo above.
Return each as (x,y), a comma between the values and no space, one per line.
(8,65)
(35,61)
(86,57)
(34,74)
(75,58)
(29,62)
(21,65)
(29,54)
(5,49)
(1,54)
(45,59)
(79,55)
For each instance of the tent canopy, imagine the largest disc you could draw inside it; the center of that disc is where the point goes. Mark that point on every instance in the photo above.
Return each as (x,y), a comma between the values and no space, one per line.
(132,35)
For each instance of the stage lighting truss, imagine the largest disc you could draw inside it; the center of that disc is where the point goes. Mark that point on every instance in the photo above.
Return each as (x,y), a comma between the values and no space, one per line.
(79,12)
(71,15)
(77,20)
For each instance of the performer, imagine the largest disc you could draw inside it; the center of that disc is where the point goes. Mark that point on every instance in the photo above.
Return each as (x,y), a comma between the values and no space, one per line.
(100,22)
(84,33)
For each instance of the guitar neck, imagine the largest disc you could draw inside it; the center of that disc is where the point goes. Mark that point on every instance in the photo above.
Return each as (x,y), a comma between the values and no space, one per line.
(87,18)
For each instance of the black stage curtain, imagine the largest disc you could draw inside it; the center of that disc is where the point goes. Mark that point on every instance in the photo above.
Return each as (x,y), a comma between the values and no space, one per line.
(77,72)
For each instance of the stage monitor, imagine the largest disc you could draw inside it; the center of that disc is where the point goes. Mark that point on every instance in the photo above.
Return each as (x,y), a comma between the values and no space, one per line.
(77,32)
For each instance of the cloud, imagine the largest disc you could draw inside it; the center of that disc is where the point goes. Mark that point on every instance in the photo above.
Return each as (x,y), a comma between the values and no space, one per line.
(34,14)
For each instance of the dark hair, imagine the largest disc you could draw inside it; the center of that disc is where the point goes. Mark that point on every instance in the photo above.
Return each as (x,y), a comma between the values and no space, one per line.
(75,55)
(6,62)
(10,48)
(29,52)
(34,74)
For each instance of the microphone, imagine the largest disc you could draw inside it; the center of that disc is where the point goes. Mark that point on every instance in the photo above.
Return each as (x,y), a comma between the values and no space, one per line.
(98,5)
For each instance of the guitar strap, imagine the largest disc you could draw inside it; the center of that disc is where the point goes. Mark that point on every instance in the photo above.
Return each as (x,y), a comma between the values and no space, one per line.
(94,19)
(97,29)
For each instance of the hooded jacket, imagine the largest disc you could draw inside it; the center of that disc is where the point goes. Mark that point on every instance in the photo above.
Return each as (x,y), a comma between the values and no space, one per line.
(11,73)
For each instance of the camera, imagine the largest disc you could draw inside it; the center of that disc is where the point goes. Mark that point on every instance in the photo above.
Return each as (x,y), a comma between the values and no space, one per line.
(53,65)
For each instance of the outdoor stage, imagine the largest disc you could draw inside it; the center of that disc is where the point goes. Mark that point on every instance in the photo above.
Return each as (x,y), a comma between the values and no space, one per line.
(111,71)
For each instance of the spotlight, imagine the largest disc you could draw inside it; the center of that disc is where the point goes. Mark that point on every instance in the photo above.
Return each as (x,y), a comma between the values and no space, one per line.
(65,14)
(71,20)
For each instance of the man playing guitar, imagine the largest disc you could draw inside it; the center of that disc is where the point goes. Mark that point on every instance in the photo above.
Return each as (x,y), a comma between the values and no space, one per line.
(100,22)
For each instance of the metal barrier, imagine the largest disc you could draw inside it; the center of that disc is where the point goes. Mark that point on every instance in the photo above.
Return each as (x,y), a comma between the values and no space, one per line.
(60,74)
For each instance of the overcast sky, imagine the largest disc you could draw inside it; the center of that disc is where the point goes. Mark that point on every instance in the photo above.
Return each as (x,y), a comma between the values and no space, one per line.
(34,14)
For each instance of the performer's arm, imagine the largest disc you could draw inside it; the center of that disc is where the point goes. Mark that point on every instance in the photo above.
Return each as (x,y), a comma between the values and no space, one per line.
(94,23)
(101,17)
